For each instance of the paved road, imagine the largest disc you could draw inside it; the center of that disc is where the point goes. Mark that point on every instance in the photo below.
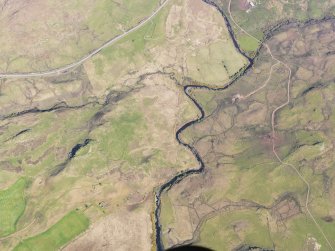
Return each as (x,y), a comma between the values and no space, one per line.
(82,60)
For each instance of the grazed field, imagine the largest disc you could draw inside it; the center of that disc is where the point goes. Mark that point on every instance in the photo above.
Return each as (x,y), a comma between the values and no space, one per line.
(39,35)
(83,152)
(265,14)
(101,138)
(245,190)
(12,205)
(59,234)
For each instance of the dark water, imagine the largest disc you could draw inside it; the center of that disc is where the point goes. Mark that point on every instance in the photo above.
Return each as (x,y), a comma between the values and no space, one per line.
(180,176)
(197,170)
(77,147)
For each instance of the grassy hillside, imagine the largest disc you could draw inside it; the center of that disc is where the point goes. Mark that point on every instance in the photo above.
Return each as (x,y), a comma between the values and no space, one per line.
(12,205)
(58,235)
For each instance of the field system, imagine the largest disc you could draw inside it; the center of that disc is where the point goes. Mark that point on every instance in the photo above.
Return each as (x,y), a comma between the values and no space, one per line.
(143,126)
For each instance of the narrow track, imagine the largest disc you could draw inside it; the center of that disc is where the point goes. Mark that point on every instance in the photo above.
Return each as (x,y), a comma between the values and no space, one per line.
(273,123)
(179,177)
